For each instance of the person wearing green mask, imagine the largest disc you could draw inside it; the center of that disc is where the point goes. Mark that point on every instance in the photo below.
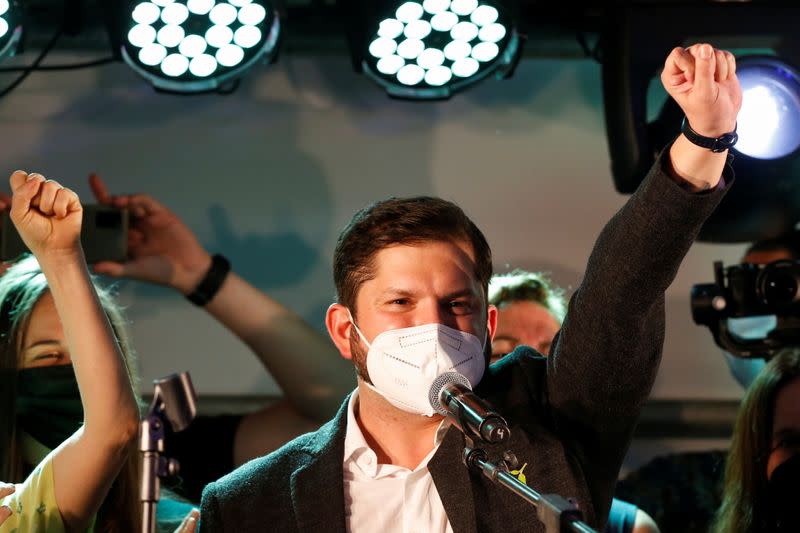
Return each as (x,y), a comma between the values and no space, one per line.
(70,415)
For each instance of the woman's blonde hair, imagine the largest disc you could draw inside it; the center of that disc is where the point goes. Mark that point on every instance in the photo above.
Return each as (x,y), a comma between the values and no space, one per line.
(21,287)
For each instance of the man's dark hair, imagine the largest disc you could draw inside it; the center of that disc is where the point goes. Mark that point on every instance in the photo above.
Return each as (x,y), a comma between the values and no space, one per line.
(402,221)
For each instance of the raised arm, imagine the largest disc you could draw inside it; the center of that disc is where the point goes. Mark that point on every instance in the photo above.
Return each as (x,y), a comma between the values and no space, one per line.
(607,354)
(48,218)
(163,250)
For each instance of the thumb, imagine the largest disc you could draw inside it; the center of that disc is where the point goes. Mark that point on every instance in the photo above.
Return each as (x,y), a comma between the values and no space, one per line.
(705,65)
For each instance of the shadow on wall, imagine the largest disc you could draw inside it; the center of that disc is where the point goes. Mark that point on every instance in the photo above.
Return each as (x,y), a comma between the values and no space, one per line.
(230,167)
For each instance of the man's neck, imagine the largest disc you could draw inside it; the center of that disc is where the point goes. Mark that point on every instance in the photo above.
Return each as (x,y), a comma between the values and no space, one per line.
(397,437)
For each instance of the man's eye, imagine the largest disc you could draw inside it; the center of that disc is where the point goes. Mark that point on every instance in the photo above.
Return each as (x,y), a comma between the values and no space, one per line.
(399,301)
(460,307)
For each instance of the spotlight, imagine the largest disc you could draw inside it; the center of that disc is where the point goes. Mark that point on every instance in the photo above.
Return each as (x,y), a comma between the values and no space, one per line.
(10,28)
(429,49)
(765,202)
(190,46)
(769,121)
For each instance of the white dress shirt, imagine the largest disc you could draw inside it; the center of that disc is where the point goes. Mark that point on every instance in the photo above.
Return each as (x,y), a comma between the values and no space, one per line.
(388,498)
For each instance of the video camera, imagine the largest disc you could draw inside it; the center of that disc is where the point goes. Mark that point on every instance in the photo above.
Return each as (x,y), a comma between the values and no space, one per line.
(748,290)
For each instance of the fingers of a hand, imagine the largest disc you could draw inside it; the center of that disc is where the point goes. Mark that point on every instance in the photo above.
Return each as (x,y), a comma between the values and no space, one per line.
(189,524)
(705,65)
(6,489)
(99,189)
(47,196)
(5,512)
(679,62)
(142,205)
(110,268)
(731,64)
(66,201)
(721,66)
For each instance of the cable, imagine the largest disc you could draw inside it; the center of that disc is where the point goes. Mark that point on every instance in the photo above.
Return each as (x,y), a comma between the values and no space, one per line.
(73,66)
(33,65)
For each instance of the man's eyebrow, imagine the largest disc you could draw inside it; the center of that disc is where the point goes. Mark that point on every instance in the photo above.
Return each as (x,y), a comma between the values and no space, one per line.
(460,293)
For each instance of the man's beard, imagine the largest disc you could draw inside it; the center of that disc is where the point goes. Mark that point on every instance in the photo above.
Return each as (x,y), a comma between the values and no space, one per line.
(359,359)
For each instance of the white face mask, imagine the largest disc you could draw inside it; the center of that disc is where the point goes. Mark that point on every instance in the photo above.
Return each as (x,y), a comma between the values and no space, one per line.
(404,363)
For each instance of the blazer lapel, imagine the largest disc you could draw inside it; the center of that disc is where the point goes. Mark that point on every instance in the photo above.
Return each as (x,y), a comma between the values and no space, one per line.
(318,486)
(451,477)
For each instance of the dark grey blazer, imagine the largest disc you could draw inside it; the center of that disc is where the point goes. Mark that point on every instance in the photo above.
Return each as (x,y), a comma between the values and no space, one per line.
(572,414)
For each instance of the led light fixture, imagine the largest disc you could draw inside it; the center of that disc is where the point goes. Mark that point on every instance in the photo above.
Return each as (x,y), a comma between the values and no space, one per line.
(191,46)
(428,49)
(10,28)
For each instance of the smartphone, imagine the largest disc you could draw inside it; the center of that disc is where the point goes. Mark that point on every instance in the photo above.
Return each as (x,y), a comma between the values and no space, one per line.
(104,235)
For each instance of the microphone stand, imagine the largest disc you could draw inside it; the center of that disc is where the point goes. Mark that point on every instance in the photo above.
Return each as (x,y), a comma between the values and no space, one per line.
(174,403)
(556,512)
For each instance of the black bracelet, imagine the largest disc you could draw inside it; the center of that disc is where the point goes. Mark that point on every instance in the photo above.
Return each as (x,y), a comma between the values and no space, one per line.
(715,144)
(211,282)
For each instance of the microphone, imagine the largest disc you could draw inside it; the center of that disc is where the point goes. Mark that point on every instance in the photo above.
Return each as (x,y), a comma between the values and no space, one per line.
(451,396)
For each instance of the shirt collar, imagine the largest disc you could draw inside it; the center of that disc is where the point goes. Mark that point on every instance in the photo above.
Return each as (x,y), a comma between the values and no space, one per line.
(355,445)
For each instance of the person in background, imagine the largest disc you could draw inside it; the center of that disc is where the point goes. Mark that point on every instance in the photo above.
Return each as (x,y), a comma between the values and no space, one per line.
(419,267)
(684,490)
(62,356)
(785,247)
(304,362)
(761,487)
(530,310)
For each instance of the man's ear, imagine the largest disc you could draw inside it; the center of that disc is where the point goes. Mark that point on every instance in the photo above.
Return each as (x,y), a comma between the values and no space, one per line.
(337,320)
(491,322)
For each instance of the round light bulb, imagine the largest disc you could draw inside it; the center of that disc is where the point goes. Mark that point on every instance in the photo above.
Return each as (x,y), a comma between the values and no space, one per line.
(389,65)
(252,14)
(141,35)
(152,54)
(170,36)
(192,45)
(438,76)
(409,11)
(175,65)
(247,36)
(200,7)
(417,29)
(484,15)
(174,14)
(465,67)
(223,14)
(146,13)
(410,74)
(382,47)
(230,55)
(203,65)
(218,36)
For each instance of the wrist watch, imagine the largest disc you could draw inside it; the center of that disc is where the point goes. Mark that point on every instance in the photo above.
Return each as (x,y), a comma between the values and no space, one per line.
(715,144)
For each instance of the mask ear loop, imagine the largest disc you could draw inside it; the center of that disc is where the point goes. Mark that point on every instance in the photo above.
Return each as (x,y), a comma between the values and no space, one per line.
(363,338)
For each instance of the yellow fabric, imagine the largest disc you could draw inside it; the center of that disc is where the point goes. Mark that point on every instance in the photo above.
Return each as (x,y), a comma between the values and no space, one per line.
(33,505)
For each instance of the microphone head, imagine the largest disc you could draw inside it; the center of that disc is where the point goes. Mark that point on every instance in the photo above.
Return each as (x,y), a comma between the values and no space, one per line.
(439,383)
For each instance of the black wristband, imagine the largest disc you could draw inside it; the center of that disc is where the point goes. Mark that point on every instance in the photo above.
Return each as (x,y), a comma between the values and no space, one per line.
(211,282)
(715,144)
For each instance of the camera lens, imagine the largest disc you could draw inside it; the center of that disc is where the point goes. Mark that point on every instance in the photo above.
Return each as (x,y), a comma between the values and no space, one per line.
(778,284)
